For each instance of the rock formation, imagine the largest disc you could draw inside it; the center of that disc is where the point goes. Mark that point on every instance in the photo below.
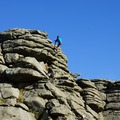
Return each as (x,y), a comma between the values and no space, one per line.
(27,92)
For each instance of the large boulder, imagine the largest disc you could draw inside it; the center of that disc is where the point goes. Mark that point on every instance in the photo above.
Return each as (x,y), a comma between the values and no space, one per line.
(22,74)
(13,113)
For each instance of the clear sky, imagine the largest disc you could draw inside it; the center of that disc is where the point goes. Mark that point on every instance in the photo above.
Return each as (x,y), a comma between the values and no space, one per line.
(90,30)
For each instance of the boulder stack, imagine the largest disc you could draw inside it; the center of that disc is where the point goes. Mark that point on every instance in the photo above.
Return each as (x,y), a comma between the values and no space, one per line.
(25,53)
(27,92)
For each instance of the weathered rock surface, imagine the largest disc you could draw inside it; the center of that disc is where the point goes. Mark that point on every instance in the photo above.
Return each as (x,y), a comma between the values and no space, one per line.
(28,93)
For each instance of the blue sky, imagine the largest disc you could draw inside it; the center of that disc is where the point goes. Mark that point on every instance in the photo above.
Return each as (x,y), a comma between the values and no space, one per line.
(90,30)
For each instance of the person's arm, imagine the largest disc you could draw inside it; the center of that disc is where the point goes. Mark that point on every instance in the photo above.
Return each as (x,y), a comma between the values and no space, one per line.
(56,40)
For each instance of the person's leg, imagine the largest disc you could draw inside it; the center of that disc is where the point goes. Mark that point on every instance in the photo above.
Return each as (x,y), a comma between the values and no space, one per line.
(52,74)
(58,44)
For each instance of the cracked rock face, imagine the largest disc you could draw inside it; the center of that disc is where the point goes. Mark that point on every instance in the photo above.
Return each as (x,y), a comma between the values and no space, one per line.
(28,93)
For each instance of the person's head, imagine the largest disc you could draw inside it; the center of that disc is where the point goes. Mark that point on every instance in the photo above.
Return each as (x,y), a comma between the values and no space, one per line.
(58,36)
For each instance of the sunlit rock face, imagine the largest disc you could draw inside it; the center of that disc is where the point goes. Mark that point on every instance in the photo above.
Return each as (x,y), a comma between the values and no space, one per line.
(27,92)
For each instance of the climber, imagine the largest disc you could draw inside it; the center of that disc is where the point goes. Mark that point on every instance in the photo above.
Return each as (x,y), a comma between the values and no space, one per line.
(59,41)
(50,70)
(51,73)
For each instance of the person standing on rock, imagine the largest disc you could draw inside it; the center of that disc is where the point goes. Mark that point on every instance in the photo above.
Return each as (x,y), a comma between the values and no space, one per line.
(58,41)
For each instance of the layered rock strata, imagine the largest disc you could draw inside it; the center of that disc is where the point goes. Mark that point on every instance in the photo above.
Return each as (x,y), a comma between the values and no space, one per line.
(28,93)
